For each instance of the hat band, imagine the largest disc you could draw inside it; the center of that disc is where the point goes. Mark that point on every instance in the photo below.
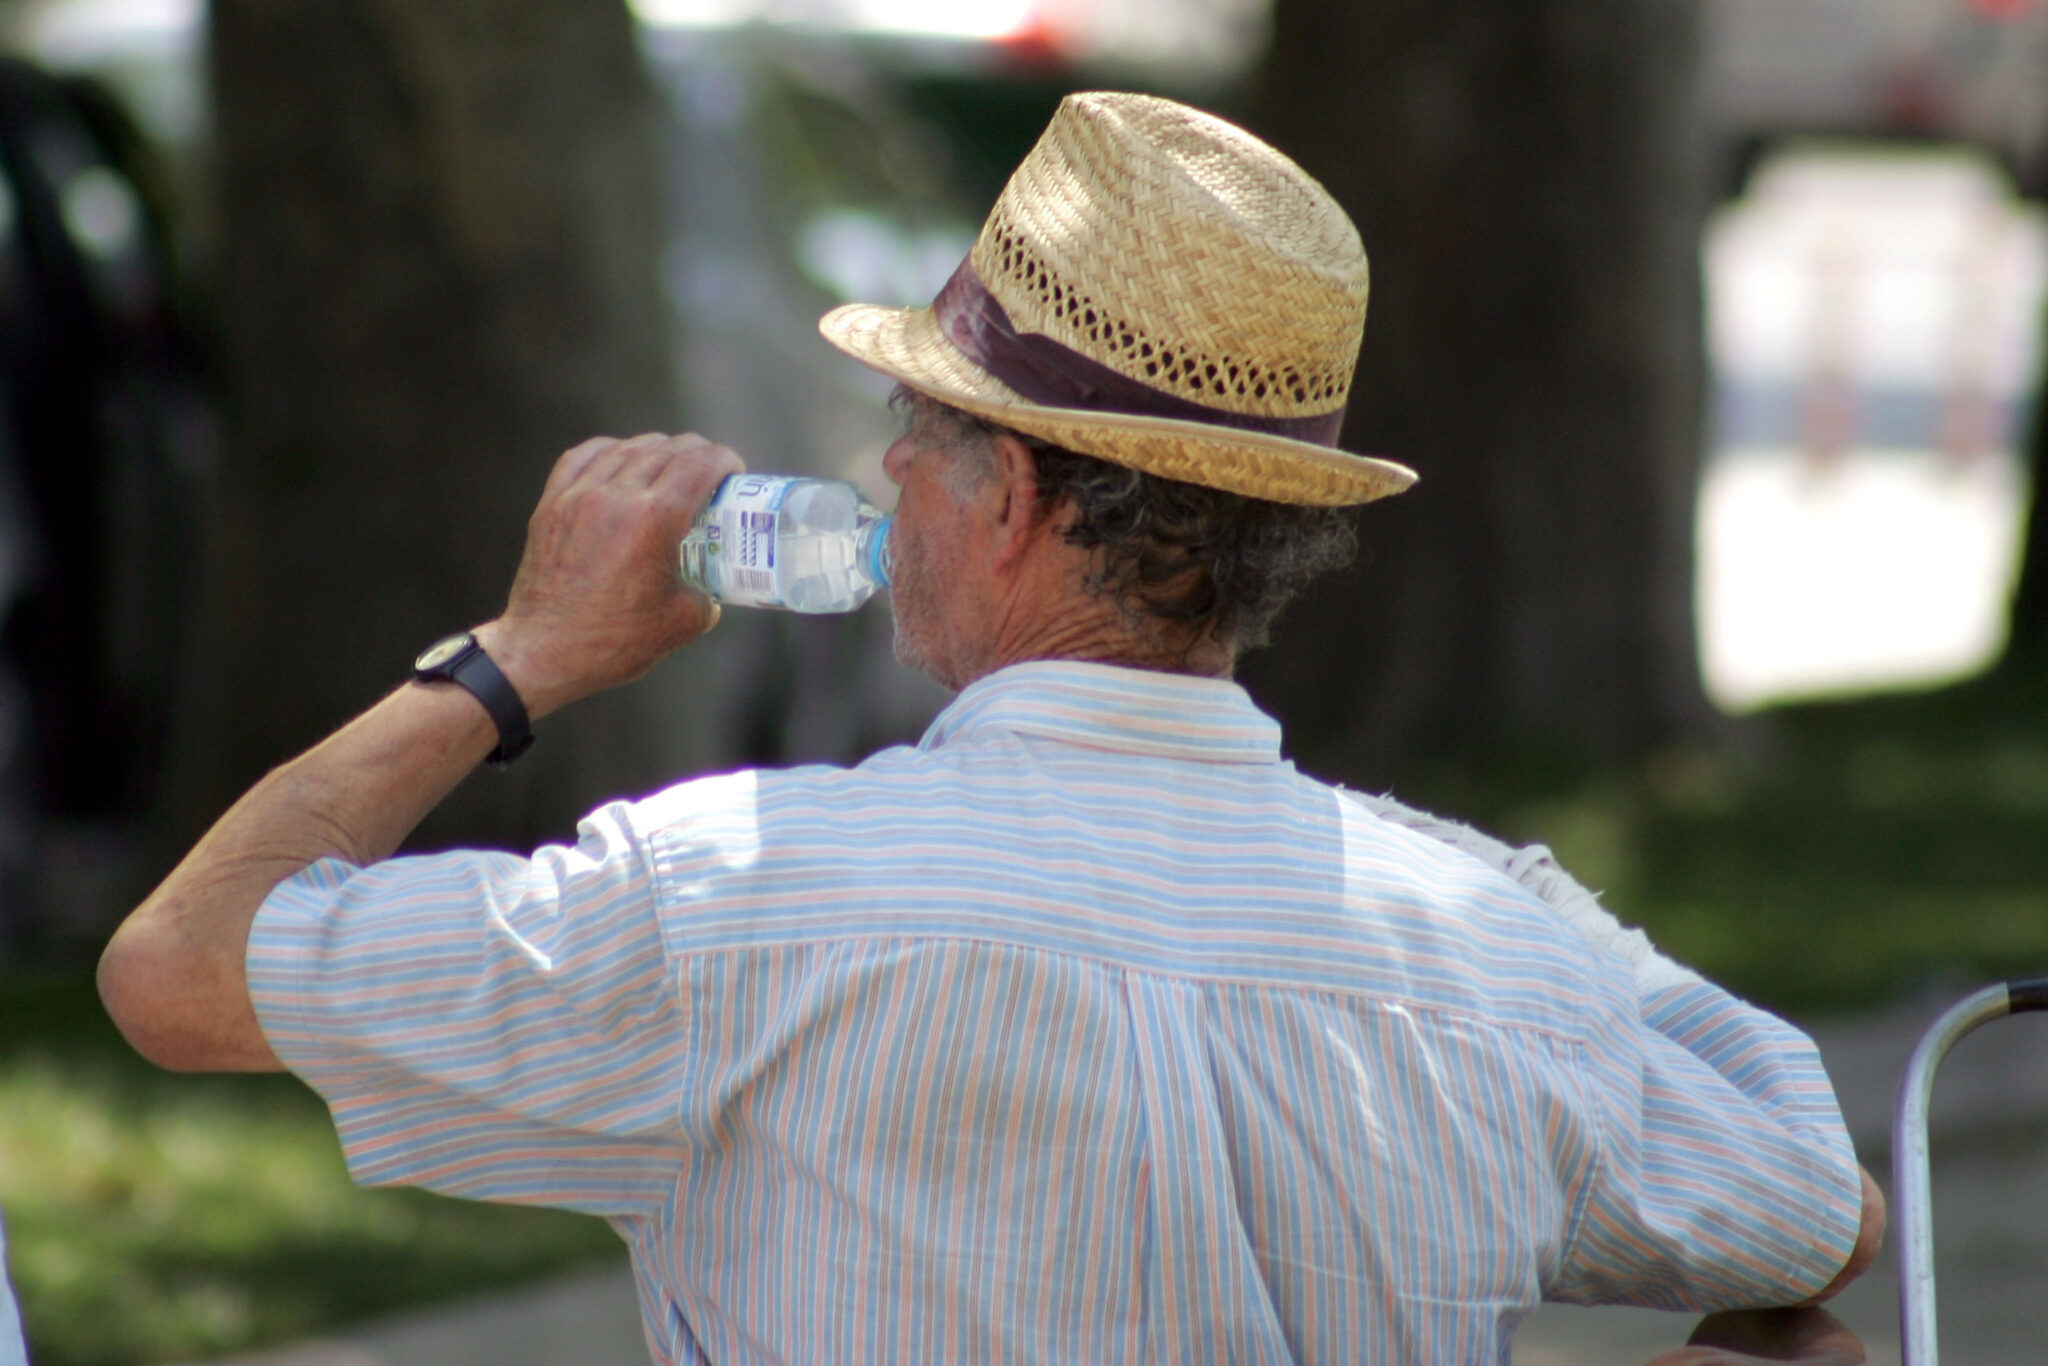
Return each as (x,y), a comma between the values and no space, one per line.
(1057,376)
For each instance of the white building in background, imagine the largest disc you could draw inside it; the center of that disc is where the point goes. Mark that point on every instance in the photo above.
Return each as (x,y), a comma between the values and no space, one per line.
(1874,323)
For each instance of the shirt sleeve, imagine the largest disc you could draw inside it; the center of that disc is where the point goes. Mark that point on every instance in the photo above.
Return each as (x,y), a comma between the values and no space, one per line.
(483,1024)
(1724,1177)
(12,1350)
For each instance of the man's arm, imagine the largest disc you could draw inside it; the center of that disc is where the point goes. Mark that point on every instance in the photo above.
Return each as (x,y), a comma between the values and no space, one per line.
(1535,868)
(597,601)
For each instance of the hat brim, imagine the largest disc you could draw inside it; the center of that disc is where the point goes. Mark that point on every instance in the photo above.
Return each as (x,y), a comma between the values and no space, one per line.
(906,344)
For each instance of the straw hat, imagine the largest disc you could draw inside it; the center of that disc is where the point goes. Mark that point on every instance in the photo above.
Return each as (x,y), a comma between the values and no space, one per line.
(1158,288)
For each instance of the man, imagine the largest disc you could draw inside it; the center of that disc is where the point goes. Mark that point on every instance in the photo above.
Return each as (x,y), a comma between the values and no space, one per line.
(1087,1030)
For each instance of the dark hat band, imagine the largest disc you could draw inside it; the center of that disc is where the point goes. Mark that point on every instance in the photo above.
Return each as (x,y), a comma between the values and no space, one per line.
(1057,376)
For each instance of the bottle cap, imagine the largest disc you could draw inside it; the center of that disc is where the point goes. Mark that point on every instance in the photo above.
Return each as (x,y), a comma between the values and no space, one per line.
(878,557)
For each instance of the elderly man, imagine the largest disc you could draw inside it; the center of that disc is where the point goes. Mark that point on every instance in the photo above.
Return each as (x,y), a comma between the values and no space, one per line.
(1086,1030)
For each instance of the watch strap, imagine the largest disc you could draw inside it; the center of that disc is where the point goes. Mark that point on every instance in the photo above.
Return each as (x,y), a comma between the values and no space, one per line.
(475,670)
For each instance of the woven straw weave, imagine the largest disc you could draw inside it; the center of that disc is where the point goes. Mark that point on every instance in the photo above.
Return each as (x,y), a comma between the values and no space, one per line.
(1183,253)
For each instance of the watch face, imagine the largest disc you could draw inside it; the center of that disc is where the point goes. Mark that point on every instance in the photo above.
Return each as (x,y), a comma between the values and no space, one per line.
(443,650)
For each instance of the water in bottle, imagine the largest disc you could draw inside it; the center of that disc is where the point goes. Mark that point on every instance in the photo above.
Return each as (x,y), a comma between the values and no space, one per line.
(807,545)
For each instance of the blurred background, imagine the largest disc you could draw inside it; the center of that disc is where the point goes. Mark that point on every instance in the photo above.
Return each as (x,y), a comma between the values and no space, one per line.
(1714,327)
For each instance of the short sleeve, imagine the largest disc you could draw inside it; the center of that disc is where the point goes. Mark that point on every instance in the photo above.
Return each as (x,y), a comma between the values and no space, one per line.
(1725,1178)
(483,1024)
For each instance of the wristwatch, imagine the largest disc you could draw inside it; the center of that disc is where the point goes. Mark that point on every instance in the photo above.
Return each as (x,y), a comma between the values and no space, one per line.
(460,658)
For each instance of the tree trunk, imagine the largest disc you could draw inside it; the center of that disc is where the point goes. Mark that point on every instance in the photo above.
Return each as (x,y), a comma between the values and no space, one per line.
(2029,646)
(440,228)
(1529,181)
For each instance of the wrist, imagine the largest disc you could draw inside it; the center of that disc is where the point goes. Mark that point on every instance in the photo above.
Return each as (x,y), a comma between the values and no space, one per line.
(462,661)
(525,667)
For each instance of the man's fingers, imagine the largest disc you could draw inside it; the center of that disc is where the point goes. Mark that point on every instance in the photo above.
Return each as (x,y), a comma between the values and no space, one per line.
(687,463)
(684,447)
(682,462)
(616,462)
(573,462)
(692,470)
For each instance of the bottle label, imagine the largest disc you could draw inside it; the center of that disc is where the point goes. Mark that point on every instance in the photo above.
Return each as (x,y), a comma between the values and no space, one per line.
(740,534)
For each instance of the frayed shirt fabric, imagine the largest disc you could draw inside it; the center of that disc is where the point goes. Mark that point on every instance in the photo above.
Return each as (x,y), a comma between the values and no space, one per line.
(1087,1030)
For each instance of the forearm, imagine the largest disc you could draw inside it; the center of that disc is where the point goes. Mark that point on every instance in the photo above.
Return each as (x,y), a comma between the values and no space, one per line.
(173,976)
(596,602)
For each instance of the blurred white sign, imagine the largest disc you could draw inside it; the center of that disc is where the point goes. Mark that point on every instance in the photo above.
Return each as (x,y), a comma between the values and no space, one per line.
(1874,322)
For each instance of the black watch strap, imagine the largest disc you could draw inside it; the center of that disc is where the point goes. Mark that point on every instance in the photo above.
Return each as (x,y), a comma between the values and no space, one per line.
(460,659)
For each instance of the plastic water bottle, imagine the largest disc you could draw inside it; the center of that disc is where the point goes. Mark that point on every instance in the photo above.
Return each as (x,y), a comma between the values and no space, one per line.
(806,545)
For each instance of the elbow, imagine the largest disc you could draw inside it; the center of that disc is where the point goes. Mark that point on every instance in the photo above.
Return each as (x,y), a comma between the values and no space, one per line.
(128,987)
(146,995)
(182,1002)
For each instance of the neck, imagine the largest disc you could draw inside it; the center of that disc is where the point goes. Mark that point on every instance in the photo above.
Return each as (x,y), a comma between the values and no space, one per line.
(1091,629)
(1036,602)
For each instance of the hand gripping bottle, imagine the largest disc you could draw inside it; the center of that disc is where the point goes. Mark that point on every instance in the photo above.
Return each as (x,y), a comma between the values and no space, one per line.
(805,545)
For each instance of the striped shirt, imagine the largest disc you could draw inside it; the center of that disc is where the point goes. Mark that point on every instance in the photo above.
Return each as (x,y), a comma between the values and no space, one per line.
(12,1350)
(1088,1030)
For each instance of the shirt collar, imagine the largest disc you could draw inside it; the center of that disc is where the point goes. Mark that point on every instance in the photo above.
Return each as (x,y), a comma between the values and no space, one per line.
(1102,706)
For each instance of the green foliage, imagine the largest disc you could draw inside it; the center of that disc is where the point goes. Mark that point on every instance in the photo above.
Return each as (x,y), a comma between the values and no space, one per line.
(1830,857)
(152,1216)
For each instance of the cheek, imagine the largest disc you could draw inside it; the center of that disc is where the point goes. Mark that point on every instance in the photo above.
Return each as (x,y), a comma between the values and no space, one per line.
(911,573)
(926,520)
(934,574)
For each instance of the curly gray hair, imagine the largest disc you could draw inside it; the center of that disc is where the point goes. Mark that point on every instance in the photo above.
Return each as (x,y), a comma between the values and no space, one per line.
(1187,562)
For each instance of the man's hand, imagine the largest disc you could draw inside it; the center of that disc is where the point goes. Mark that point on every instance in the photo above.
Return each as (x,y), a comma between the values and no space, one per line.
(1804,1336)
(599,597)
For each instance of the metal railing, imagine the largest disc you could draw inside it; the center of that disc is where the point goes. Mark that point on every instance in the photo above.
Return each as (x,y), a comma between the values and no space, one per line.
(1910,1167)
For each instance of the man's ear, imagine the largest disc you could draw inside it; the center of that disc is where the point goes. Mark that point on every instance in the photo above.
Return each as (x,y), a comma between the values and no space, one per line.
(1020,516)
